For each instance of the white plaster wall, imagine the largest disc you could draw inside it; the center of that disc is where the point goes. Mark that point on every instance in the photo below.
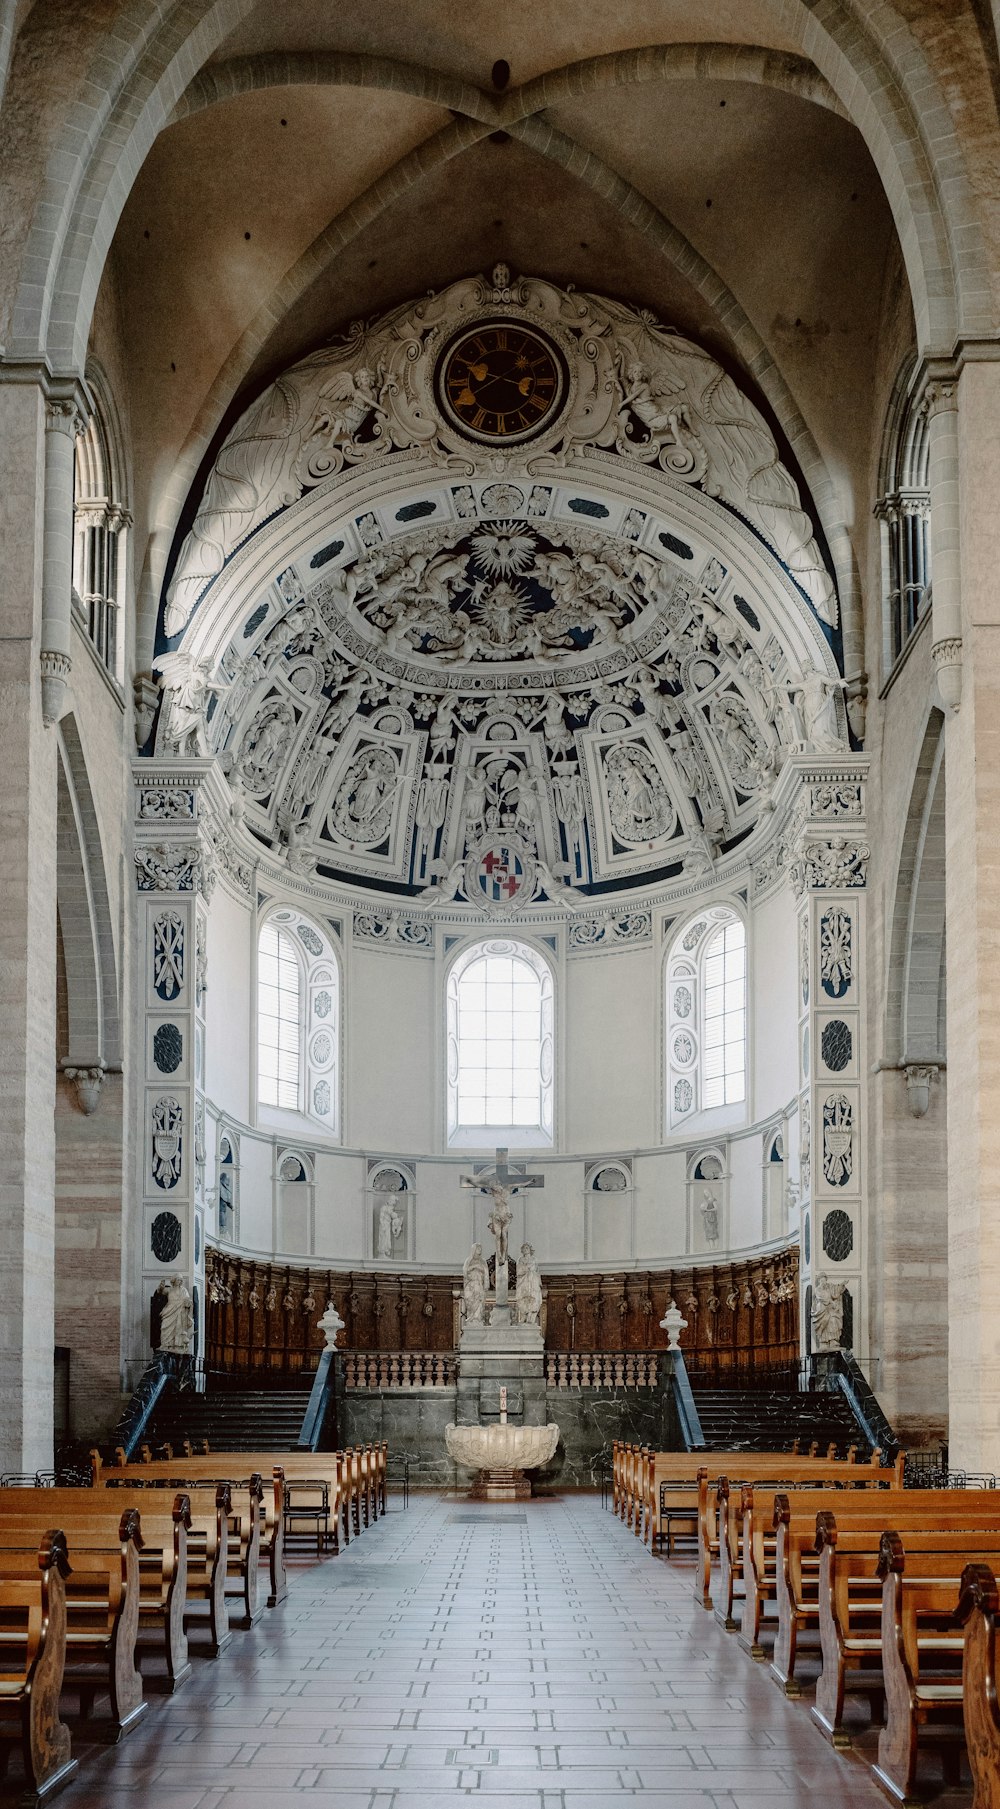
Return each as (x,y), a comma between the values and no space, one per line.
(390,1043)
(612,1058)
(229,1048)
(609,1021)
(773,1005)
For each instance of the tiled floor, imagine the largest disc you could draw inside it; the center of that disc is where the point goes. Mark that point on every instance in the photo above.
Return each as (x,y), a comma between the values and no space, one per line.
(530,1656)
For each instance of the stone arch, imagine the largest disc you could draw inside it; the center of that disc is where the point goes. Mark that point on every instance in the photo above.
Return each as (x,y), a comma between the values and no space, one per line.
(94,1025)
(915,999)
(668,241)
(890,93)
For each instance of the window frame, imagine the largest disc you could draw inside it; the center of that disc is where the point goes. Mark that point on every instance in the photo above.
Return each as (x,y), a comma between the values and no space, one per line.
(102,520)
(903,512)
(684,1003)
(542,1134)
(320,1038)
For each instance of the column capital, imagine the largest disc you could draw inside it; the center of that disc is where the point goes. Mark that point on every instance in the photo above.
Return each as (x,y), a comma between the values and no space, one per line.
(837,864)
(174,867)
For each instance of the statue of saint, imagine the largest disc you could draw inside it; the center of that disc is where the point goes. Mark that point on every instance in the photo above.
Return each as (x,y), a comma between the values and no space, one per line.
(177,1317)
(827,1313)
(390,1223)
(475,1283)
(528,1295)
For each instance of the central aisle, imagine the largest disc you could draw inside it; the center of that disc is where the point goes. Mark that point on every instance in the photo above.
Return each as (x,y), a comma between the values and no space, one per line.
(534,1655)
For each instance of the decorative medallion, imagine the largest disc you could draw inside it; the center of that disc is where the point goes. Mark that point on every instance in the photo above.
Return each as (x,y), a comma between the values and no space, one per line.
(168,1048)
(838,1235)
(165,1237)
(500,874)
(836,1045)
(501,381)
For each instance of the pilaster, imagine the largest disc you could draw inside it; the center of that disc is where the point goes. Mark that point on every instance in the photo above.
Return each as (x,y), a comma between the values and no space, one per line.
(27,951)
(829,857)
(176,834)
(972,815)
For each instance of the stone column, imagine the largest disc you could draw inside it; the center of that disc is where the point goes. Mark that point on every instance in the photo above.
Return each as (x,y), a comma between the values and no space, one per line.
(27,947)
(64,421)
(972,818)
(830,854)
(941,402)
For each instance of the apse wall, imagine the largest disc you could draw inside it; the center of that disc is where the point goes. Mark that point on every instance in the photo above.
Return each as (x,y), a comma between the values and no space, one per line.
(619,1189)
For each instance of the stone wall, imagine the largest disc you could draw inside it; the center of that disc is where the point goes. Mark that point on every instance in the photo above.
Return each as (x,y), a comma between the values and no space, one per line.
(589,1420)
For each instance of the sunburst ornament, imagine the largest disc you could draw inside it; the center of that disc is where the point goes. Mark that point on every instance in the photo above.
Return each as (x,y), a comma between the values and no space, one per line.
(504,551)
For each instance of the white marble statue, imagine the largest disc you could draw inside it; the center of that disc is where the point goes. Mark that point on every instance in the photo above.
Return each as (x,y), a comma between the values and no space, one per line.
(176,1318)
(709,1210)
(818,692)
(475,1281)
(390,1223)
(827,1313)
(499,1219)
(528,1294)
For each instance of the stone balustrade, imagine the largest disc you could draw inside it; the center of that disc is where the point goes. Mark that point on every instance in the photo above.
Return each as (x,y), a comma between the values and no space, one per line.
(600,1369)
(399,1369)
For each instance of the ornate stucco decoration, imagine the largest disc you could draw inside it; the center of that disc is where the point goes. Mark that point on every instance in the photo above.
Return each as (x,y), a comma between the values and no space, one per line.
(634,388)
(485,678)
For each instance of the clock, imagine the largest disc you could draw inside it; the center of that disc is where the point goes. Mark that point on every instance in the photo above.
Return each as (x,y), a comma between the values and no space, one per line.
(501,382)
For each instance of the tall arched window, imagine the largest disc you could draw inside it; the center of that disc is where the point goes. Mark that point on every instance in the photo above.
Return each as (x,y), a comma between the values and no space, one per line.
(904,510)
(101,520)
(706,1016)
(500,1046)
(298,1019)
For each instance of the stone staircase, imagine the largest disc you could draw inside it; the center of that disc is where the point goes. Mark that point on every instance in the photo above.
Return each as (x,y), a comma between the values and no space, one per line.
(230,1419)
(742,1420)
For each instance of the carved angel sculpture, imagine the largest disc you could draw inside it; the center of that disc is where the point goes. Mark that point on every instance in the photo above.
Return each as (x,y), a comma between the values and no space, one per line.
(188,687)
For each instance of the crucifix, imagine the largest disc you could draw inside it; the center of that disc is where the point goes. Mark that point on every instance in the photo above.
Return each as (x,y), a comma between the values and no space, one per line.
(501,1182)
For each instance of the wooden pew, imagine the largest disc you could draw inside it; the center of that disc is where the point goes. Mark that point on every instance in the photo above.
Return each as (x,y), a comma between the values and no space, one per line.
(33,1641)
(777,1473)
(200,1471)
(849,1589)
(163,1557)
(247,1499)
(102,1603)
(922,1653)
(762,1570)
(341,1470)
(977,1611)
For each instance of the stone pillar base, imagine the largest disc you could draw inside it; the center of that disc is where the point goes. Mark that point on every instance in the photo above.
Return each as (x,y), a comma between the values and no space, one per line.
(500,1485)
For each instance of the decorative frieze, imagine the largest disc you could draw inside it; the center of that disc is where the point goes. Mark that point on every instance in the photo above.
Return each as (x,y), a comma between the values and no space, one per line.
(394,927)
(166,803)
(586,933)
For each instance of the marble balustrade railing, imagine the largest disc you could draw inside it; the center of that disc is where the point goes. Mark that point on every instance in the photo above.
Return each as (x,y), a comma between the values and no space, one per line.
(600,1369)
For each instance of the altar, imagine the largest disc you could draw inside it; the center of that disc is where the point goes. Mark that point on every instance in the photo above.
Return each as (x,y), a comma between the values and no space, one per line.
(501,1354)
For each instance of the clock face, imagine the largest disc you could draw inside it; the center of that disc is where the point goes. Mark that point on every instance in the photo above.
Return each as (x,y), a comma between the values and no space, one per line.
(501,382)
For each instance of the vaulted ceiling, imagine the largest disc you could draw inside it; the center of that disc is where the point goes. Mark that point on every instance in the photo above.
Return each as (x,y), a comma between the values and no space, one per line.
(327,163)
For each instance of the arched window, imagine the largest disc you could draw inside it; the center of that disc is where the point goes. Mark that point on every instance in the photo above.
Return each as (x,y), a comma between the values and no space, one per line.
(101,520)
(706,1016)
(298,1018)
(904,510)
(500,1046)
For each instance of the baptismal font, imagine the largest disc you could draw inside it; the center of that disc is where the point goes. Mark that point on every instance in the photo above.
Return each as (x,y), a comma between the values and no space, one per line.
(501,1355)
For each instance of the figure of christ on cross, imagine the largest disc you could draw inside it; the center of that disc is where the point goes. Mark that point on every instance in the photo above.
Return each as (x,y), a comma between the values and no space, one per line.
(501,1182)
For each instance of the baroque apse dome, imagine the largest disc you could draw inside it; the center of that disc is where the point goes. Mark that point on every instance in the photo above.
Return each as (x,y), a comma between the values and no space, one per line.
(503,604)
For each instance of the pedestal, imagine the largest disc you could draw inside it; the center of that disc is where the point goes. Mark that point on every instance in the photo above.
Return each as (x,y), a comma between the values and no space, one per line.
(500,1485)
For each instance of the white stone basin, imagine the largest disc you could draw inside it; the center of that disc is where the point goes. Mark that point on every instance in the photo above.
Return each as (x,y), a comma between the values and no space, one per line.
(499,1447)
